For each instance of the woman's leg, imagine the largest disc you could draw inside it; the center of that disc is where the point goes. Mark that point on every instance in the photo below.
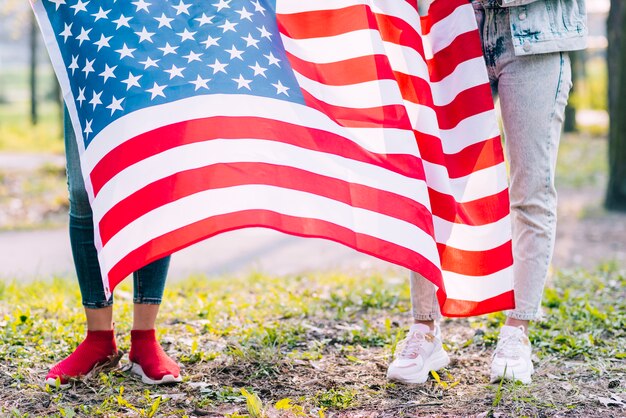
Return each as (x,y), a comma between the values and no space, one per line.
(533,93)
(99,346)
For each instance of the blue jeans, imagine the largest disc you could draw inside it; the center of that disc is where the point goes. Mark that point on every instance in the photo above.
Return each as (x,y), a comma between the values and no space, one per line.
(148,282)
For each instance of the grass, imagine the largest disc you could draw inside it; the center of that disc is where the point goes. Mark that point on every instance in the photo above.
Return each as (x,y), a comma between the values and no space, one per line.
(18,135)
(33,199)
(314,346)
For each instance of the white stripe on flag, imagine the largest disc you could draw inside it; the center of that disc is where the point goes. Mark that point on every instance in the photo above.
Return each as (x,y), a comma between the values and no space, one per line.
(202,154)
(477,289)
(444,32)
(472,237)
(202,205)
(400,9)
(198,107)
(376,93)
(477,185)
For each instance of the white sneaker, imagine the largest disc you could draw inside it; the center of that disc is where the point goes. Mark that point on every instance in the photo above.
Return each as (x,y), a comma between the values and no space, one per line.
(511,359)
(419,353)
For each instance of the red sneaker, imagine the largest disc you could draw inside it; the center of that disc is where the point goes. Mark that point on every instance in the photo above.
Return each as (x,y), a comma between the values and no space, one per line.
(97,349)
(150,361)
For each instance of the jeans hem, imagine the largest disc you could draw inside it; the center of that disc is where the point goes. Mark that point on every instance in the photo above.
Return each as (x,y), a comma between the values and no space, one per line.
(524,316)
(426,316)
(98,305)
(147,301)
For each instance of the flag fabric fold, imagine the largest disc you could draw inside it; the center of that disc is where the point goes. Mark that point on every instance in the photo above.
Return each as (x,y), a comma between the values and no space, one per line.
(355,121)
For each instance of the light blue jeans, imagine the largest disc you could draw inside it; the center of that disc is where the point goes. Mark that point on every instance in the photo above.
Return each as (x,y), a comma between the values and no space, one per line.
(533,92)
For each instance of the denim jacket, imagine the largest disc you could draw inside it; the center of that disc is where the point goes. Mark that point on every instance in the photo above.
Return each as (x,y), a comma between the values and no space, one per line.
(542,26)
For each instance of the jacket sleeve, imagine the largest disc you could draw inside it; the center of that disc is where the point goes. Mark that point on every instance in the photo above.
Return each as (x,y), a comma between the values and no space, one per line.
(513,3)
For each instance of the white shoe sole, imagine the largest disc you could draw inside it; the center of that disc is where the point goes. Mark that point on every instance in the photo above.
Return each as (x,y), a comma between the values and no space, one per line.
(414,376)
(523,376)
(53,383)
(168,378)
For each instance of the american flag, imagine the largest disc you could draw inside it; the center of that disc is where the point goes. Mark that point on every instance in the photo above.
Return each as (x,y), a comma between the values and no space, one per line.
(350,120)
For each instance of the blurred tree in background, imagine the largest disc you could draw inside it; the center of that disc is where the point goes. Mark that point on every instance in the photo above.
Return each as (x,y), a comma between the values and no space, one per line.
(616,191)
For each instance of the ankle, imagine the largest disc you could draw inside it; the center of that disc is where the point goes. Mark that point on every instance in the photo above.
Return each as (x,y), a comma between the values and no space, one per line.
(513,322)
(429,323)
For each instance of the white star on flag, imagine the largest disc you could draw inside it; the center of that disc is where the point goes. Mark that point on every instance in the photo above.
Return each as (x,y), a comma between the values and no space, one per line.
(182,8)
(132,81)
(95,100)
(88,129)
(84,36)
(228,26)
(192,56)
(67,32)
(250,41)
(186,35)
(149,62)
(122,21)
(81,95)
(210,41)
(175,72)
(125,52)
(205,20)
(242,82)
(141,5)
(88,68)
(200,83)
(79,7)
(272,59)
(156,90)
(264,33)
(102,14)
(108,72)
(74,65)
(104,41)
(218,67)
(168,49)
(144,35)
(280,88)
(244,14)
(115,105)
(258,70)
(223,4)
(164,21)
(235,53)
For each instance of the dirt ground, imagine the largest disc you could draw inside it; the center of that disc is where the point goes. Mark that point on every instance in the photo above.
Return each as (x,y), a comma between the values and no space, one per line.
(586,233)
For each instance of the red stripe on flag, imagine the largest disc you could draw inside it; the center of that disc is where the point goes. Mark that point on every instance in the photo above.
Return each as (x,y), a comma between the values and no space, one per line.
(450,115)
(391,116)
(475,263)
(325,23)
(465,47)
(218,176)
(162,139)
(439,10)
(455,308)
(470,159)
(304,227)
(477,212)
(341,73)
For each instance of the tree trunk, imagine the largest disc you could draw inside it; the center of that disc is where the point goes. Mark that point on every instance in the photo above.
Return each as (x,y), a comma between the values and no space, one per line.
(616,191)
(578,75)
(33,70)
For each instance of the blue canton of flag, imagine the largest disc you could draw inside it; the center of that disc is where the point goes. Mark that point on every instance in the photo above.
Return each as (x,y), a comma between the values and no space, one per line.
(124,55)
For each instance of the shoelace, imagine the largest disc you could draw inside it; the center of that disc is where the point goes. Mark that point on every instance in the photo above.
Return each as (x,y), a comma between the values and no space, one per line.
(411,345)
(509,346)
